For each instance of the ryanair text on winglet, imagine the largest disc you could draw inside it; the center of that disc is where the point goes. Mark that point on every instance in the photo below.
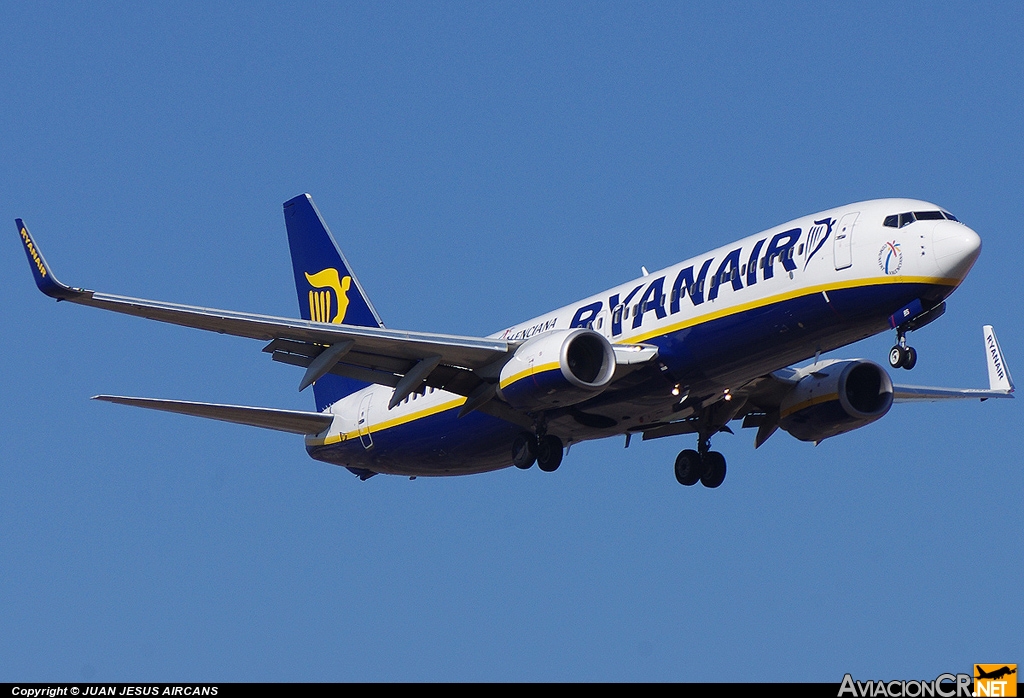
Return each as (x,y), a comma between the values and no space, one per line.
(994,351)
(944,686)
(32,252)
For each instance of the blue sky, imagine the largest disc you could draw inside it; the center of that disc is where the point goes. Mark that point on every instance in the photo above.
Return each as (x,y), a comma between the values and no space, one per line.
(480,164)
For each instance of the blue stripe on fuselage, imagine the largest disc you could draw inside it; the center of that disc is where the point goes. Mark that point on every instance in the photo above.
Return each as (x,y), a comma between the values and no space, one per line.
(725,352)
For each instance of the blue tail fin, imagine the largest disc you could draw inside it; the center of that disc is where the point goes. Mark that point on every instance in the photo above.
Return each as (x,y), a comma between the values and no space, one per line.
(328,290)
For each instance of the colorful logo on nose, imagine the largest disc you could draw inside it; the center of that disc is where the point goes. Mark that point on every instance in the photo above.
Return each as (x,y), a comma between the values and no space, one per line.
(329,291)
(890,259)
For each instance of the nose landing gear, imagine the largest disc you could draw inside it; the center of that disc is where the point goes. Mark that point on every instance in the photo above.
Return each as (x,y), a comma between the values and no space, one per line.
(902,356)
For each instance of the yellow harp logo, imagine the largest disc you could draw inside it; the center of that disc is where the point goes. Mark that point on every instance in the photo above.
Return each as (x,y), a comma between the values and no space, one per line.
(320,303)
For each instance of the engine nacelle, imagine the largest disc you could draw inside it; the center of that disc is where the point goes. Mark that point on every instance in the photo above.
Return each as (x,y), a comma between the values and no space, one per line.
(836,398)
(556,369)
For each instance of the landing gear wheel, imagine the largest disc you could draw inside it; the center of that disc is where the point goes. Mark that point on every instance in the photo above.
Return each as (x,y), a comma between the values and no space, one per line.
(910,358)
(524,451)
(897,355)
(714,469)
(689,467)
(549,453)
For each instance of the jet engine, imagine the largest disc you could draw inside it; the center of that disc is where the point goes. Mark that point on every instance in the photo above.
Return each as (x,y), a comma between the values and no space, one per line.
(557,368)
(835,398)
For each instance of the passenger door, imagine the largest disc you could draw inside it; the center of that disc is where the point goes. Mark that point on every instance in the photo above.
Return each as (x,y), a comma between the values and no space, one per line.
(364,422)
(843,246)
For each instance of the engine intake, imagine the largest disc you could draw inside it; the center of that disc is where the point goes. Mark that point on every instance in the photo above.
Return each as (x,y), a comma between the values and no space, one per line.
(557,368)
(836,398)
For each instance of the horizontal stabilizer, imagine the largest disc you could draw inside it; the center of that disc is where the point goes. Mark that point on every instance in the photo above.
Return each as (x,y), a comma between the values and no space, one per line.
(291,421)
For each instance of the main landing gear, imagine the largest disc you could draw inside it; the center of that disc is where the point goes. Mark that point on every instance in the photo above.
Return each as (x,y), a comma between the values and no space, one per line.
(902,356)
(704,465)
(545,451)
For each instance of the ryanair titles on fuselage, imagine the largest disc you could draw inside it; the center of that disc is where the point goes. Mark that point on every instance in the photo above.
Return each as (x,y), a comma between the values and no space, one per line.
(663,295)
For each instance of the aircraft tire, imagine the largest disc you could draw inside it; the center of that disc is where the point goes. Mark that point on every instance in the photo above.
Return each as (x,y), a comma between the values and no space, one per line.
(689,467)
(897,355)
(524,451)
(714,473)
(549,453)
(909,358)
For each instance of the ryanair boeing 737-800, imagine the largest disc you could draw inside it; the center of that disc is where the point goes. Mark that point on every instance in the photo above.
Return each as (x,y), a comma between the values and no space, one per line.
(684,350)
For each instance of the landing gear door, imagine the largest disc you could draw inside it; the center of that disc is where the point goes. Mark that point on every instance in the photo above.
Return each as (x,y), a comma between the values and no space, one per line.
(364,422)
(844,241)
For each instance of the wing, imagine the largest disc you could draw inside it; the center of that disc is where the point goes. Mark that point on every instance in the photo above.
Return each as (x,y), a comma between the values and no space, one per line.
(405,361)
(291,421)
(376,355)
(758,402)
(1000,384)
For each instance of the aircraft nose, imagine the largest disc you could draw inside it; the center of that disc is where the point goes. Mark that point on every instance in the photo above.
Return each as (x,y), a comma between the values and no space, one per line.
(956,248)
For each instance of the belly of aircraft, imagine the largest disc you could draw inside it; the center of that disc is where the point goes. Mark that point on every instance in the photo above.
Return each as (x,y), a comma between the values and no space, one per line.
(710,356)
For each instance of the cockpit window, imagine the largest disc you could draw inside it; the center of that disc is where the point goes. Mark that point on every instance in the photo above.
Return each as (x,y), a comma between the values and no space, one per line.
(900,220)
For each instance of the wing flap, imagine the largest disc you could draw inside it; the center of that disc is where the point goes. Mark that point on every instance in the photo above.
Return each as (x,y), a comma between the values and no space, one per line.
(292,421)
(468,352)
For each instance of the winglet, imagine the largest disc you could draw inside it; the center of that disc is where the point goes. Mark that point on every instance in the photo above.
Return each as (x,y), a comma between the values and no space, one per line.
(45,279)
(998,372)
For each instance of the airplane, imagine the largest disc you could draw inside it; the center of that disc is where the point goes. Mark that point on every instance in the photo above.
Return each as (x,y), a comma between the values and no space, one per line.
(684,350)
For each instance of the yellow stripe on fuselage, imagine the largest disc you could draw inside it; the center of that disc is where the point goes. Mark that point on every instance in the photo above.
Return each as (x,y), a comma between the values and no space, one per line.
(675,327)
(387,424)
(782,297)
